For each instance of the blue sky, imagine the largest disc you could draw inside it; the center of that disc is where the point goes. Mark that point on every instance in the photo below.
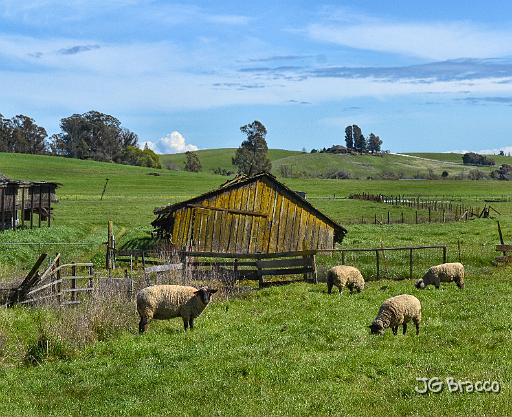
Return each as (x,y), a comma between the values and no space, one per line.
(424,76)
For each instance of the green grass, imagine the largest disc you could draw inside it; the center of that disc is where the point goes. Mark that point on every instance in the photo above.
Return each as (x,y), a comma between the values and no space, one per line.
(457,157)
(287,351)
(218,158)
(281,351)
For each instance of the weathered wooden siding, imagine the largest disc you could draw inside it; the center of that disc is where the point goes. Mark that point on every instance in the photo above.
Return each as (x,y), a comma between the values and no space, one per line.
(249,219)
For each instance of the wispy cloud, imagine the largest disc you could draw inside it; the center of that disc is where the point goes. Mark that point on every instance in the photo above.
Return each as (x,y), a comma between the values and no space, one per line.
(487,100)
(77,49)
(430,40)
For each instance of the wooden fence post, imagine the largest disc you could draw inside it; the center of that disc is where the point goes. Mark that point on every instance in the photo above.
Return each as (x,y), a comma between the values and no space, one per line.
(342,257)
(73,283)
(377,262)
(260,273)
(416,216)
(410,263)
(59,284)
(444,254)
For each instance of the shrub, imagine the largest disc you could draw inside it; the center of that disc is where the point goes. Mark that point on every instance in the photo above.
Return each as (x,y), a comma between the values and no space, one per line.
(504,172)
(472,158)
(476,174)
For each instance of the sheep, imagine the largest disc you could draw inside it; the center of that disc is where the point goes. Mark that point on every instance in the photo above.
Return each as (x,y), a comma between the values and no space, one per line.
(396,311)
(162,302)
(443,273)
(344,275)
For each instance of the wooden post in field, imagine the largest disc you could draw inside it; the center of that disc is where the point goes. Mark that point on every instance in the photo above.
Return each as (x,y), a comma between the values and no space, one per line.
(375,218)
(49,206)
(416,216)
(73,283)
(59,283)
(402,217)
(31,206)
(388,216)
(444,254)
(40,205)
(378,263)
(342,257)
(14,211)
(110,244)
(22,207)
(410,263)
(444,218)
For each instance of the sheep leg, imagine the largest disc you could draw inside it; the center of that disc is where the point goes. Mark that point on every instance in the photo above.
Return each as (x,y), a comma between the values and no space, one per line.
(143,325)
(417,323)
(185,323)
(191,323)
(404,326)
(329,287)
(395,330)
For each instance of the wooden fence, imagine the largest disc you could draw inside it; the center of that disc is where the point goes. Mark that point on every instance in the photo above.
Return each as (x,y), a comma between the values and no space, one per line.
(379,252)
(62,284)
(239,266)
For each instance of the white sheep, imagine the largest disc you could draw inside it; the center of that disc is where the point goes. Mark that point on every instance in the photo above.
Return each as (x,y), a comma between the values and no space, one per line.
(162,302)
(396,311)
(443,273)
(345,276)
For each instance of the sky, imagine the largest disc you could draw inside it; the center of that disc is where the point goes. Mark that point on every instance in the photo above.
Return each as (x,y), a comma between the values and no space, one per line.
(423,75)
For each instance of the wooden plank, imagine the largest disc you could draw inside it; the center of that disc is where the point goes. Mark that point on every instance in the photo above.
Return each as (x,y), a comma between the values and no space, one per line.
(284,263)
(230,210)
(176,228)
(248,205)
(249,255)
(267,196)
(163,268)
(42,287)
(254,231)
(274,236)
(287,271)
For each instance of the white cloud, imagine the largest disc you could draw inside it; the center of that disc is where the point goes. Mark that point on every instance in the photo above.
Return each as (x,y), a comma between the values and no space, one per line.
(437,40)
(173,142)
(506,149)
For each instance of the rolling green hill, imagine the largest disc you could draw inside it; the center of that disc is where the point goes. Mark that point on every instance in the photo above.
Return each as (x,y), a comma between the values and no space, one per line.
(456,158)
(295,164)
(217,158)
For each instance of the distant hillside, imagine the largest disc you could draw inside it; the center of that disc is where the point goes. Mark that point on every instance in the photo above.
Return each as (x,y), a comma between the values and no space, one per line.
(217,158)
(457,157)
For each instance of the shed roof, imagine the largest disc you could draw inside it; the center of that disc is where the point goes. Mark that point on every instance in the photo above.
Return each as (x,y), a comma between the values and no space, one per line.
(242,180)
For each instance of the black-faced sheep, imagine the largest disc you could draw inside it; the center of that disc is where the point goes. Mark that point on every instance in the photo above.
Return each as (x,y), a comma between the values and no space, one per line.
(345,276)
(443,273)
(396,311)
(162,302)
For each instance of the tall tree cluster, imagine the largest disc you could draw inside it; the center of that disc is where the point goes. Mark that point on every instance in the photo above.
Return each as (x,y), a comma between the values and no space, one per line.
(21,134)
(252,156)
(93,135)
(355,140)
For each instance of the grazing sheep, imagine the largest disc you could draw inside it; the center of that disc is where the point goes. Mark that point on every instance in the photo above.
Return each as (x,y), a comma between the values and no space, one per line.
(345,276)
(162,302)
(396,311)
(443,273)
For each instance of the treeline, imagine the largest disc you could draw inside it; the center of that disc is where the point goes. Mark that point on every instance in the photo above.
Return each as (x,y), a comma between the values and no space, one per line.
(355,142)
(91,135)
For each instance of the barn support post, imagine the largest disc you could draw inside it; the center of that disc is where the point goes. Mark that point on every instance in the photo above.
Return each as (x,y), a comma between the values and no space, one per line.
(23,207)
(31,206)
(49,206)
(2,207)
(14,212)
(40,204)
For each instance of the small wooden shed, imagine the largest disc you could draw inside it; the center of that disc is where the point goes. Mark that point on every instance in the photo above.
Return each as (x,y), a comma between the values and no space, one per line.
(248,215)
(20,200)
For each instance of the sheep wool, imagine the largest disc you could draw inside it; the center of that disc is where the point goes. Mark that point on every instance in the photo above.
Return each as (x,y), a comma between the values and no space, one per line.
(447,272)
(163,302)
(345,276)
(396,311)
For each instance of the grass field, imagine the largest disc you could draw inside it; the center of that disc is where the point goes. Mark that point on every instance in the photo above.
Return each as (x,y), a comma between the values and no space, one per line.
(281,351)
(323,165)
(289,351)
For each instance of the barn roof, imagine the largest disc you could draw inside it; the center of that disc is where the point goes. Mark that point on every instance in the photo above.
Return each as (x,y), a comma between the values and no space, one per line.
(241,180)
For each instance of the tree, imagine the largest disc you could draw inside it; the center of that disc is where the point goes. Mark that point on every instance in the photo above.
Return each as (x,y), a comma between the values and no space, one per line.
(132,155)
(472,158)
(374,143)
(93,135)
(22,134)
(252,155)
(359,140)
(349,138)
(192,164)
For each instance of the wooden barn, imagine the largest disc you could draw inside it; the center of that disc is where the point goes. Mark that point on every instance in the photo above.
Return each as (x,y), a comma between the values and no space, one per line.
(248,215)
(21,200)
